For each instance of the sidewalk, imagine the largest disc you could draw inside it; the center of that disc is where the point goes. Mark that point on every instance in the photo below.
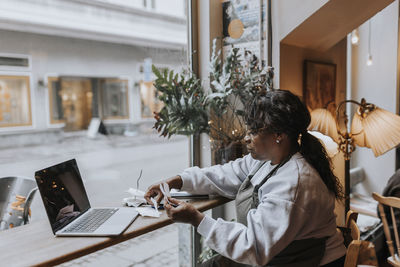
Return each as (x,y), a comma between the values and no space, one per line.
(155,249)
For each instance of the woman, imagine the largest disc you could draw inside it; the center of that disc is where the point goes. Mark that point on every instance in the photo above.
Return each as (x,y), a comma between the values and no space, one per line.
(284,191)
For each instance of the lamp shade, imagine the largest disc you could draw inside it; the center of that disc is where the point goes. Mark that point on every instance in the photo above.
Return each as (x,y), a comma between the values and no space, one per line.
(331,146)
(381,130)
(357,131)
(323,121)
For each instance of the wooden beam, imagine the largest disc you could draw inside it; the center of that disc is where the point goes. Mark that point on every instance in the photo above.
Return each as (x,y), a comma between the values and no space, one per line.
(332,22)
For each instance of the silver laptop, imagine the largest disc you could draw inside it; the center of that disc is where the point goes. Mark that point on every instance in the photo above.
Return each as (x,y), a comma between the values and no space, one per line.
(68,207)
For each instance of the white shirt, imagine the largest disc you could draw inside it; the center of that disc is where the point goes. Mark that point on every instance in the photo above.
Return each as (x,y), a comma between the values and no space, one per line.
(294,204)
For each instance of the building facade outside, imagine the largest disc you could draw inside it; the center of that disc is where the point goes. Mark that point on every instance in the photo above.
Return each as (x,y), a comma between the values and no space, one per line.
(65,62)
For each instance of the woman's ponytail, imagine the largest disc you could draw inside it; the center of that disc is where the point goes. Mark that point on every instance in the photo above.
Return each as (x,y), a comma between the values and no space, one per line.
(315,154)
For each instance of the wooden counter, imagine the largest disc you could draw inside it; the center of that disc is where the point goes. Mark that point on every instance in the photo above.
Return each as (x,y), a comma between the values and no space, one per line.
(35,245)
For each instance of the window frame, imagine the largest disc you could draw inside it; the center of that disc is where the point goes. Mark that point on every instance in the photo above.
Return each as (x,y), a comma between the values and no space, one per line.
(28,79)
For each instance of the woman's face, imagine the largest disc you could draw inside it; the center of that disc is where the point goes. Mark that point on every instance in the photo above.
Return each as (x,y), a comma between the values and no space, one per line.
(262,146)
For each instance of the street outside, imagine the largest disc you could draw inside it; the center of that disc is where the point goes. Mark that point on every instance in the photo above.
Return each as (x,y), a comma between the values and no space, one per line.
(109,166)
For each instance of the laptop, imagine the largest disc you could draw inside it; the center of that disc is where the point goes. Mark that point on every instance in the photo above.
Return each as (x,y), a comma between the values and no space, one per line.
(68,207)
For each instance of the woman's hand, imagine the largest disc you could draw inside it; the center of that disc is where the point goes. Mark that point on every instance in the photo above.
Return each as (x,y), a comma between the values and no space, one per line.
(155,191)
(184,212)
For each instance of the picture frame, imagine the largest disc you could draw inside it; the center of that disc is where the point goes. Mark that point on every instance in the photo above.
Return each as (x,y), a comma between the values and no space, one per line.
(319,84)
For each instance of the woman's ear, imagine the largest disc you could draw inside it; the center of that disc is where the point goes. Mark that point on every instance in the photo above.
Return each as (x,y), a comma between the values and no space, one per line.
(279,137)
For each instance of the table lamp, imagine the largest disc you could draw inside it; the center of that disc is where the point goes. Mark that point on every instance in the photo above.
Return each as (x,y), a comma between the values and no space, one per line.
(371,127)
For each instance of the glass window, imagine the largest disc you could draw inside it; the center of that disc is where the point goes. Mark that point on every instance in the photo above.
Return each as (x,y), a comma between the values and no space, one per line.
(97,74)
(114,98)
(149,100)
(76,100)
(15,101)
(55,103)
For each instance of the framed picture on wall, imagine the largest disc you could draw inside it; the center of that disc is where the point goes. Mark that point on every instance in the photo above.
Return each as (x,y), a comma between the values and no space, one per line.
(319,87)
(243,26)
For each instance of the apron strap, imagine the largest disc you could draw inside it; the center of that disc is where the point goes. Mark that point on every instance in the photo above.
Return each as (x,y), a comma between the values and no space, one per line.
(271,173)
(258,168)
(256,201)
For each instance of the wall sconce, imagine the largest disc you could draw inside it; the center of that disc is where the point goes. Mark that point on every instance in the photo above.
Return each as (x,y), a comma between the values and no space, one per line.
(371,127)
(41,84)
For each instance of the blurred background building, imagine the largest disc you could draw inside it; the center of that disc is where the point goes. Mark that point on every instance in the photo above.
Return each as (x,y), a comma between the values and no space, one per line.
(63,62)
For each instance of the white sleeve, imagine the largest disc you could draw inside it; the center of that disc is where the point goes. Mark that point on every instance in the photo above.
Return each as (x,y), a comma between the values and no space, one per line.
(223,180)
(268,232)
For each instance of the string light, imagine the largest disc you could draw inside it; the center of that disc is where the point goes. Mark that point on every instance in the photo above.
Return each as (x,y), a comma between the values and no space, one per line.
(355,38)
(369,58)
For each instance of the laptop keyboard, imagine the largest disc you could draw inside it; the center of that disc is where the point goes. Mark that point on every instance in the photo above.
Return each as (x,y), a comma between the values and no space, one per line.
(91,221)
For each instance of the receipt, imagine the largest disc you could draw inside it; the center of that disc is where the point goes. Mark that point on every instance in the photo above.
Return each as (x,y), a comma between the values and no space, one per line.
(136,199)
(148,211)
(164,187)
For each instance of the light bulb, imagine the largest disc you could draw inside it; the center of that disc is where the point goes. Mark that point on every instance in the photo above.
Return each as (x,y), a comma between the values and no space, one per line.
(354,37)
(369,60)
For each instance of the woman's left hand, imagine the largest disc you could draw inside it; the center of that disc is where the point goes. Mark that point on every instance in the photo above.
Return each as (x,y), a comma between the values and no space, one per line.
(184,212)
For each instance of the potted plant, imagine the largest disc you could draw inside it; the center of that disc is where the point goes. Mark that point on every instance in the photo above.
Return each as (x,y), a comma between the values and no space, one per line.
(189,108)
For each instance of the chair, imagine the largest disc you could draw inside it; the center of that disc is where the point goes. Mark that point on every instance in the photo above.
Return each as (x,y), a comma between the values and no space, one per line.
(358,252)
(390,202)
(16,195)
(351,223)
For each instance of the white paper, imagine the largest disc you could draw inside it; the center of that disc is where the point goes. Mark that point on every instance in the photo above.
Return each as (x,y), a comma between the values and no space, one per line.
(133,202)
(164,187)
(148,212)
(155,204)
(136,199)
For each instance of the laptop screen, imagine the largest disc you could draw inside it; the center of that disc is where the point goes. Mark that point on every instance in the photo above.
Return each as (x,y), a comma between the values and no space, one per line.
(63,193)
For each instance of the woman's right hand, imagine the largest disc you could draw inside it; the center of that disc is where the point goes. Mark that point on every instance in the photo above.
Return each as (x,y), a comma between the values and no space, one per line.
(154,190)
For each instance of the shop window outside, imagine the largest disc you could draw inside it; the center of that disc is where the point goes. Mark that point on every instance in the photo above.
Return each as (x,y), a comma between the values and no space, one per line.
(15,101)
(149,100)
(114,94)
(75,100)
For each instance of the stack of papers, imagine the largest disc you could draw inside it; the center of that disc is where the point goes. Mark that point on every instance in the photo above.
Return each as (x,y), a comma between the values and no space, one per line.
(137,199)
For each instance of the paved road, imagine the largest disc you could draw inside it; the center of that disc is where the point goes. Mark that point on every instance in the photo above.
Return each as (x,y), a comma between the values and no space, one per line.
(109,166)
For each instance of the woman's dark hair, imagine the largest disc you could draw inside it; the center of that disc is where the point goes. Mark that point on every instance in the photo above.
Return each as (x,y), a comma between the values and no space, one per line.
(280,111)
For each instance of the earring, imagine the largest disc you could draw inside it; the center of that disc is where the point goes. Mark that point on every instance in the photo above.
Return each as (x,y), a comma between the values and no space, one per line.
(278,141)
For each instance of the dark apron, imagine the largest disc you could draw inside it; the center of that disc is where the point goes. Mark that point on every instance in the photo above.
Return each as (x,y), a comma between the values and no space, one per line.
(299,253)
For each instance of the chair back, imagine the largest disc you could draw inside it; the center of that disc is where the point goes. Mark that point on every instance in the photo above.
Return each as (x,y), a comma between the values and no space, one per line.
(358,252)
(391,203)
(16,195)
(351,223)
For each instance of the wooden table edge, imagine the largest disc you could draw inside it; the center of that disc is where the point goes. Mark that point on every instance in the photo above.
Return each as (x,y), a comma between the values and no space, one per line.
(212,203)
